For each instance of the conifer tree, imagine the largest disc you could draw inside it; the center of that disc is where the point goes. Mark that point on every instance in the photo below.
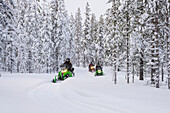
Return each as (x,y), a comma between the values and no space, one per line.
(86,37)
(93,49)
(7,35)
(139,41)
(78,35)
(113,34)
(167,39)
(72,46)
(127,15)
(54,36)
(63,32)
(154,42)
(100,39)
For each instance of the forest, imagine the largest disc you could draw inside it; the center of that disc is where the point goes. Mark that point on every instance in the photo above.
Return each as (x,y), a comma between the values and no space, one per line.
(36,36)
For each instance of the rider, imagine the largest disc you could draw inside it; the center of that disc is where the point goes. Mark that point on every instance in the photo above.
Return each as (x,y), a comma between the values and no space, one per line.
(91,64)
(68,64)
(98,66)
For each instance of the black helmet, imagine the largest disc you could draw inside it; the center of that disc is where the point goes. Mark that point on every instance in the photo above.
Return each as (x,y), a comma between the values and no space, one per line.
(68,59)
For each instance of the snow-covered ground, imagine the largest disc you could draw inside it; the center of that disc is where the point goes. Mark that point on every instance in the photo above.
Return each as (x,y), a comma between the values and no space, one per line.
(84,93)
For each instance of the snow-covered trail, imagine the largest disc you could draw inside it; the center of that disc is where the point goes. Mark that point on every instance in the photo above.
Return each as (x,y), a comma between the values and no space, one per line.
(74,95)
(84,93)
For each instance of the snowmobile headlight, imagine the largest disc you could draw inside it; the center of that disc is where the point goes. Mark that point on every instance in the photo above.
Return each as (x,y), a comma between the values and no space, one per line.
(99,71)
(64,70)
(92,67)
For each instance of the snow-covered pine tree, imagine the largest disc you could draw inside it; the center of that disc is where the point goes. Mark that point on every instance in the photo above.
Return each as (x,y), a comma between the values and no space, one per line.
(86,38)
(46,36)
(78,35)
(108,50)
(94,48)
(12,34)
(54,36)
(38,41)
(61,29)
(7,35)
(167,39)
(162,36)
(157,20)
(2,66)
(139,43)
(100,39)
(153,25)
(28,15)
(113,33)
(63,32)
(43,42)
(21,10)
(72,46)
(127,13)
(155,52)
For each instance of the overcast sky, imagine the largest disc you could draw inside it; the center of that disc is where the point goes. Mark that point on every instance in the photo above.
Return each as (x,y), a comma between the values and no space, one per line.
(98,7)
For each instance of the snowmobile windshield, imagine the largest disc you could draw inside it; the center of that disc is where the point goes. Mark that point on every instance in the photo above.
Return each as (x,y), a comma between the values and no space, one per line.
(64,66)
(99,68)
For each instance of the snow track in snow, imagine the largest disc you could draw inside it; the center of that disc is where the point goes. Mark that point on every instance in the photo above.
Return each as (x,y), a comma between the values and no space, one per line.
(72,95)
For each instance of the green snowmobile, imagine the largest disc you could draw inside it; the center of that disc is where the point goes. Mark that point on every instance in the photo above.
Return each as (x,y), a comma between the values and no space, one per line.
(63,74)
(99,71)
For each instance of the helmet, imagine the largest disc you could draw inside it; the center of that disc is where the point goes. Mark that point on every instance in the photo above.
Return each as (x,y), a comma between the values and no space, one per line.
(68,60)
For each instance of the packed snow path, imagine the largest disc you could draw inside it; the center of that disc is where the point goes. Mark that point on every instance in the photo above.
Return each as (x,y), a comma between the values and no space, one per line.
(84,93)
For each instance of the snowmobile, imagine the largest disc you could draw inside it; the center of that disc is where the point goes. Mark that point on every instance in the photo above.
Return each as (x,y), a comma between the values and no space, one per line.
(99,71)
(63,74)
(91,68)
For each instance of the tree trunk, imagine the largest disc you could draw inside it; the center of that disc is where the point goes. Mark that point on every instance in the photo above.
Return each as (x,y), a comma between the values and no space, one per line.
(11,59)
(141,69)
(127,55)
(127,41)
(115,74)
(115,69)
(168,43)
(162,70)
(157,50)
(133,72)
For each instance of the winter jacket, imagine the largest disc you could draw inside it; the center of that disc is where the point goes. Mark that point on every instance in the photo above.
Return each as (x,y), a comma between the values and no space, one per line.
(91,65)
(98,67)
(68,65)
